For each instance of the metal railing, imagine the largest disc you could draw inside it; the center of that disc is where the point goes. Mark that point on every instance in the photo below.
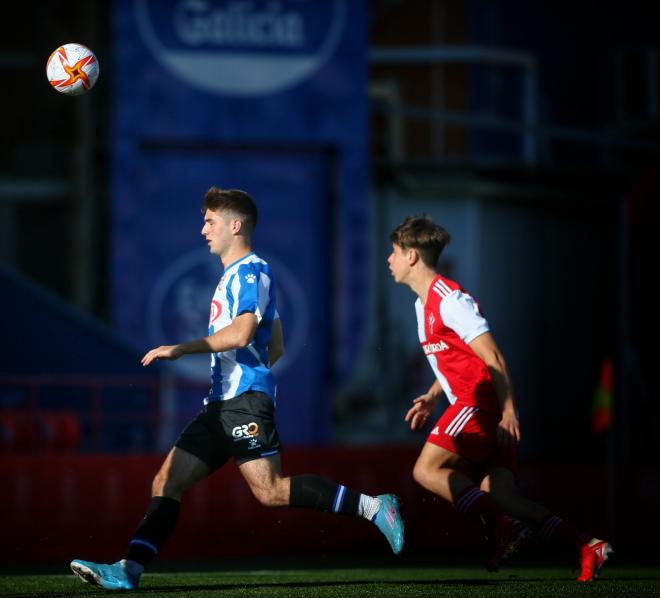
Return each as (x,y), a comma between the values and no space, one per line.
(108,409)
(534,134)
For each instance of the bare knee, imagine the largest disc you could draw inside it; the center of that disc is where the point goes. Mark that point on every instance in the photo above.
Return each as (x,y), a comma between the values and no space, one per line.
(179,471)
(265,496)
(421,474)
(164,485)
(160,485)
(270,496)
(502,488)
(501,485)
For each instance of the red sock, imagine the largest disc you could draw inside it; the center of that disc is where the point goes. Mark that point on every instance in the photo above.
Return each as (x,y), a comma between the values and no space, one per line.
(479,505)
(554,528)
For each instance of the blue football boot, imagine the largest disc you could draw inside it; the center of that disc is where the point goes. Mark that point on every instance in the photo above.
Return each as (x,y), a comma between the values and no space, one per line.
(388,521)
(110,577)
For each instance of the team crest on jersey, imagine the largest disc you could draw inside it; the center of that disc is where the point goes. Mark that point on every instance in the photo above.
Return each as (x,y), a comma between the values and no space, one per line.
(250,278)
(431,322)
(216,310)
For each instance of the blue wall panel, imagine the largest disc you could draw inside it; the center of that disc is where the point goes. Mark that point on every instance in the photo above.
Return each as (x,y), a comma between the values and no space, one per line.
(268,97)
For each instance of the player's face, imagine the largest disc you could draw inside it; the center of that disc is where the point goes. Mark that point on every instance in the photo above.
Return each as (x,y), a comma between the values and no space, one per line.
(217,232)
(398,263)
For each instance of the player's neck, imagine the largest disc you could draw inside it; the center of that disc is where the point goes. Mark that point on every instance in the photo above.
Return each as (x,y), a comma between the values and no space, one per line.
(235,253)
(421,281)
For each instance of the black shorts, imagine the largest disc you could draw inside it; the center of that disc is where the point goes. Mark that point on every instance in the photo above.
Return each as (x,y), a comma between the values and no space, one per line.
(242,427)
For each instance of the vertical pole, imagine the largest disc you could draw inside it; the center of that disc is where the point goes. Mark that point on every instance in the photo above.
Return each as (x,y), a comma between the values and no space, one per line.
(83,254)
(653,106)
(437,83)
(618,436)
(32,406)
(530,115)
(32,399)
(96,417)
(620,90)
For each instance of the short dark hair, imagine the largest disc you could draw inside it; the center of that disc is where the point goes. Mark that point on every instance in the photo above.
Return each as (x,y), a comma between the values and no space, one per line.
(232,200)
(422,234)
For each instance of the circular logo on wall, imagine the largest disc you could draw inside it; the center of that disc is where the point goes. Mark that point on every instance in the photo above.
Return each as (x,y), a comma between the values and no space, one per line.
(241,47)
(178,310)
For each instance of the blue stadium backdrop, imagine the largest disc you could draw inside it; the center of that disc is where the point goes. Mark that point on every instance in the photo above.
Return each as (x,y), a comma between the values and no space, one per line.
(264,96)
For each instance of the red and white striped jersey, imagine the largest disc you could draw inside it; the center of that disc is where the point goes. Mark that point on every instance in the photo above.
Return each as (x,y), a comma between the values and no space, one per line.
(446,323)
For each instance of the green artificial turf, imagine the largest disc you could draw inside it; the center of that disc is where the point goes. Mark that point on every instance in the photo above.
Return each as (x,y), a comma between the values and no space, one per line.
(463,582)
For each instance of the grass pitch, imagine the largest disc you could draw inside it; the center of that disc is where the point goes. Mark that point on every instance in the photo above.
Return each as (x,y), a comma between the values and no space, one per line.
(464,582)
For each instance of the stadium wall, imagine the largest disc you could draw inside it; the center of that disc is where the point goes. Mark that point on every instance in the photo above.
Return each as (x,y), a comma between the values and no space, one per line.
(88,507)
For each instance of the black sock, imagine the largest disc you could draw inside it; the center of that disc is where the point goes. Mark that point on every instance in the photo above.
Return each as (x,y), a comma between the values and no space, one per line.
(154,529)
(318,493)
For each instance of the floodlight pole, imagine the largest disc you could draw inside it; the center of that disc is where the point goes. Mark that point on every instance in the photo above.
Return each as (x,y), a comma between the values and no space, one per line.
(83,247)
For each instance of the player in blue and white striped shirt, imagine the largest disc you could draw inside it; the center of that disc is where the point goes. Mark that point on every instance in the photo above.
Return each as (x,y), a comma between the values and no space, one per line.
(247,286)
(237,420)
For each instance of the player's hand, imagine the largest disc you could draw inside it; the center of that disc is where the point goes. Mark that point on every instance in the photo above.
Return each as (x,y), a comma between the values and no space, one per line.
(508,430)
(164,352)
(422,408)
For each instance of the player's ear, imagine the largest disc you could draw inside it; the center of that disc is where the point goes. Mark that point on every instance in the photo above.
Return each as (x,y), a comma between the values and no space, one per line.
(413,256)
(236,225)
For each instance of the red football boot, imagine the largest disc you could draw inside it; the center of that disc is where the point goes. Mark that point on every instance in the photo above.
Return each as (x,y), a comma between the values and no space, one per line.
(592,559)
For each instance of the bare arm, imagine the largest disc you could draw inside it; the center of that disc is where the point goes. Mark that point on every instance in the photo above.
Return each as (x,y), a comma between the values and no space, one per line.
(486,348)
(423,406)
(276,344)
(235,336)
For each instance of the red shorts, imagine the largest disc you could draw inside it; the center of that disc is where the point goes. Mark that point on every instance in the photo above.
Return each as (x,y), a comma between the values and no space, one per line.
(472,433)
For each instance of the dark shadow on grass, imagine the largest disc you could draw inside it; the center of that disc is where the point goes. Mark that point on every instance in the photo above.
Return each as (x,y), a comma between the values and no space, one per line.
(601,580)
(265,587)
(408,582)
(316,584)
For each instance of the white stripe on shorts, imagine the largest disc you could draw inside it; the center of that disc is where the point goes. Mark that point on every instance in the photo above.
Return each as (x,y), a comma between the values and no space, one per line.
(460,420)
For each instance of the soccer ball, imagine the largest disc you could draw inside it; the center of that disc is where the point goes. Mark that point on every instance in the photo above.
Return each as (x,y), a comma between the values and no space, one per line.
(72,69)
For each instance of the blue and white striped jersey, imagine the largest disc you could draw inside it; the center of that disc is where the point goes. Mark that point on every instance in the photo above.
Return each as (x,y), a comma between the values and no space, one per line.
(247,285)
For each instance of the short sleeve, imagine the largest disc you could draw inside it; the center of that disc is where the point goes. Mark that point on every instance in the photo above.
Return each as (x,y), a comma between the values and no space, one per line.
(460,312)
(252,291)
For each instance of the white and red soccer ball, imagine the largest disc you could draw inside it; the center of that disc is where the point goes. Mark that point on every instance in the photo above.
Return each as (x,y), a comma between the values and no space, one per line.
(72,69)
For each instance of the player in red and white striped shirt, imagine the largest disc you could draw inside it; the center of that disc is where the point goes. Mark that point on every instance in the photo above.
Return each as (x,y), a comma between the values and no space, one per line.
(469,457)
